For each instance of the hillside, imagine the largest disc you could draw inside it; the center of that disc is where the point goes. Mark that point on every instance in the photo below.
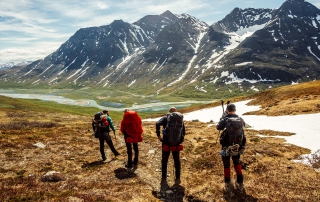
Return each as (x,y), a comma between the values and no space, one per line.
(73,153)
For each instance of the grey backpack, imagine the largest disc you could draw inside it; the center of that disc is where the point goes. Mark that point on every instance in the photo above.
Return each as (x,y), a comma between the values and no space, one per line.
(234,130)
(174,129)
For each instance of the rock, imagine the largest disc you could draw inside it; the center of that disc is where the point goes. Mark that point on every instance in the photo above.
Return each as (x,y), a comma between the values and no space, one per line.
(258,155)
(52,176)
(39,145)
(169,192)
(184,158)
(75,199)
(151,152)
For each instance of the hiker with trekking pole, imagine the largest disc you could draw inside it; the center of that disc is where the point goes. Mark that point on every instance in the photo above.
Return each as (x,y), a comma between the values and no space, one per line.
(233,141)
(101,124)
(173,135)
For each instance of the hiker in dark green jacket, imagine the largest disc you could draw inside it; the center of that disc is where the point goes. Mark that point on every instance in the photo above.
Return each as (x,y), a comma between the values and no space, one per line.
(105,135)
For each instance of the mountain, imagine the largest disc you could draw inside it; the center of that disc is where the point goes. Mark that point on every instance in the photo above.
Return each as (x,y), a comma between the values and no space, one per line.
(285,50)
(12,64)
(249,50)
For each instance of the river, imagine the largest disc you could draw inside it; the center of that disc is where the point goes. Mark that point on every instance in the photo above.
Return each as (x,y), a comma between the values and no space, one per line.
(149,107)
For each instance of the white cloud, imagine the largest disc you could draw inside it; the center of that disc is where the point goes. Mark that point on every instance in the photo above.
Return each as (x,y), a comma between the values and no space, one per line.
(38,51)
(24,23)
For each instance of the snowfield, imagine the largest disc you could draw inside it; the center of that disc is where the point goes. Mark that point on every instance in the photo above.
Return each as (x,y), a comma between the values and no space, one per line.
(306,127)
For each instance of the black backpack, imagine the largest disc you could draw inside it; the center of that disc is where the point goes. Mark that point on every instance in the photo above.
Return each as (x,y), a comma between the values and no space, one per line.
(174,129)
(233,134)
(97,124)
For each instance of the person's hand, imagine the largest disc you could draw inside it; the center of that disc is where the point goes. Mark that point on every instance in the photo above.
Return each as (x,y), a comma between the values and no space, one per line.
(224,152)
(241,150)
(160,138)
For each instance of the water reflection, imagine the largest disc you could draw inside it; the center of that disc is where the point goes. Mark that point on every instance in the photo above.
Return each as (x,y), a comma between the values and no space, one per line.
(149,107)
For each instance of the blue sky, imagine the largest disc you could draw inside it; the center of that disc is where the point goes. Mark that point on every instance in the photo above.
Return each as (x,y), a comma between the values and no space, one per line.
(32,29)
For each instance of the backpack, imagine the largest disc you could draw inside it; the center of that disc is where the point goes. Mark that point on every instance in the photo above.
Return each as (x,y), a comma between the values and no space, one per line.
(131,126)
(233,133)
(100,124)
(174,129)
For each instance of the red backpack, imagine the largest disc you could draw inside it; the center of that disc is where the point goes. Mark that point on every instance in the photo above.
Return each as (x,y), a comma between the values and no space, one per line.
(131,125)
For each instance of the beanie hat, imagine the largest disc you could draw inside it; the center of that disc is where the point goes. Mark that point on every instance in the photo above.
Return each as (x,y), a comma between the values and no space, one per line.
(105,111)
(231,108)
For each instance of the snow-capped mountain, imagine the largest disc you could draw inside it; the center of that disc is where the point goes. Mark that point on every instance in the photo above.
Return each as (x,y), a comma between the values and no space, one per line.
(180,53)
(285,50)
(12,64)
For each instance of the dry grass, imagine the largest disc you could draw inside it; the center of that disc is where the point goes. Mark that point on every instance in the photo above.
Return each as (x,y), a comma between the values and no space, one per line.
(71,151)
(289,100)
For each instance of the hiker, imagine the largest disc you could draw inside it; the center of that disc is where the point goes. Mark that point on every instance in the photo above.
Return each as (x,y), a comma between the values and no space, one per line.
(131,127)
(171,141)
(101,124)
(233,142)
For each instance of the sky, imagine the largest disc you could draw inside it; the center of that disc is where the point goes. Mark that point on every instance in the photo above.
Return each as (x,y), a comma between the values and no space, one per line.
(32,29)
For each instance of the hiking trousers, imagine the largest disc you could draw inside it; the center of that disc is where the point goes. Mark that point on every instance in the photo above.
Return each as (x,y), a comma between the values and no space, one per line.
(177,163)
(237,167)
(110,144)
(129,152)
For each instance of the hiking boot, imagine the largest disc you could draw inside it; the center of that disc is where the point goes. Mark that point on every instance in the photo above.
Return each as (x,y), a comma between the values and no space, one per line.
(227,180)
(128,165)
(177,181)
(240,179)
(228,186)
(239,186)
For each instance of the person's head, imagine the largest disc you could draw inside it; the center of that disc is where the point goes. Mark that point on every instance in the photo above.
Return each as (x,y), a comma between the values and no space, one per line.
(126,110)
(106,112)
(231,108)
(172,109)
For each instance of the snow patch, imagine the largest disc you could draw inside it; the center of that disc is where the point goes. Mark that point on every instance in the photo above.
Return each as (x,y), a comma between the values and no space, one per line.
(132,83)
(242,64)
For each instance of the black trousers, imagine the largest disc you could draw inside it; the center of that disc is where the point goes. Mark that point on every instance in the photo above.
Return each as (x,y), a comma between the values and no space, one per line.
(226,160)
(110,144)
(129,152)
(177,163)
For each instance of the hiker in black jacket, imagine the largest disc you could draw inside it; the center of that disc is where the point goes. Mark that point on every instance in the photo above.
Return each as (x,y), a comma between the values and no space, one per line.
(166,148)
(227,149)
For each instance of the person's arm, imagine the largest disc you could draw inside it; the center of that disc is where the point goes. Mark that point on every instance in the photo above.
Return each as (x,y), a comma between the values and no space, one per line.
(221,124)
(161,122)
(183,130)
(111,123)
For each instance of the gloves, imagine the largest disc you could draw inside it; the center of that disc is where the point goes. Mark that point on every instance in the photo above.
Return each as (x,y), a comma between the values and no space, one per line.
(224,152)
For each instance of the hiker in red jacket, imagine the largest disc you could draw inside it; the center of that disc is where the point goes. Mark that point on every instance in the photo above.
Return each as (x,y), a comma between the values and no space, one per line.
(131,127)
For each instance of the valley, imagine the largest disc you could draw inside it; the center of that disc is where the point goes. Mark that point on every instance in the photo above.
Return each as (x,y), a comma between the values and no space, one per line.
(49,154)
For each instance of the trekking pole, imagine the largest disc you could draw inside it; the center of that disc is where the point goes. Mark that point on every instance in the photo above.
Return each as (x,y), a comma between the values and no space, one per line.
(222,102)
(218,136)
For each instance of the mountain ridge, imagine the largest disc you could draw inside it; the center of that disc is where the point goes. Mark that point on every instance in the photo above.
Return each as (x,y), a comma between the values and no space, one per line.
(248,49)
